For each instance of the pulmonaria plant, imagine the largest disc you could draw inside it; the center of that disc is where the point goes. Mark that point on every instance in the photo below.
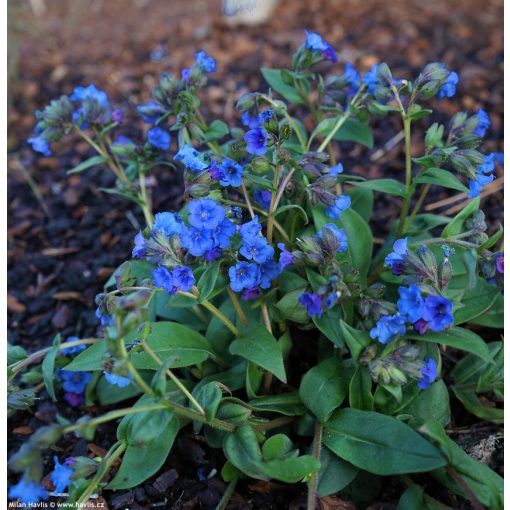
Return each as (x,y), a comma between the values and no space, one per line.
(271,250)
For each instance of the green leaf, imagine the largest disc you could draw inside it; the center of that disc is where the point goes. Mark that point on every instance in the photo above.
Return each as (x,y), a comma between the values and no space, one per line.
(433,403)
(353,130)
(324,387)
(276,446)
(289,207)
(494,317)
(335,473)
(456,225)
(473,404)
(15,353)
(412,499)
(90,359)
(362,201)
(109,394)
(84,165)
(274,79)
(360,390)
(288,404)
(379,444)
(441,178)
(209,397)
(290,307)
(216,131)
(459,338)
(328,323)
(356,340)
(390,186)
(476,302)
(207,281)
(260,347)
(48,367)
(141,462)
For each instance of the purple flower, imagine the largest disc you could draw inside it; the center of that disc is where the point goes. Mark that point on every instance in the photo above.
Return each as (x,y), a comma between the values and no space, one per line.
(428,373)
(448,88)
(352,77)
(396,258)
(185,74)
(286,257)
(370,79)
(159,138)
(73,399)
(421,326)
(251,229)
(231,173)
(410,303)
(263,197)
(249,121)
(243,275)
(190,158)
(341,204)
(74,381)
(484,123)
(312,303)
(61,476)
(257,249)
(249,294)
(438,312)
(183,278)
(387,327)
(117,380)
(117,116)
(197,241)
(167,222)
(205,213)
(256,140)
(500,263)
(27,492)
(268,271)
(205,62)
(140,249)
(213,254)
(336,170)
(39,144)
(162,279)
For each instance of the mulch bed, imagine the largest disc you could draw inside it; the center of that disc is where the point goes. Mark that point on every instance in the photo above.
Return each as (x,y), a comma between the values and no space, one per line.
(65,237)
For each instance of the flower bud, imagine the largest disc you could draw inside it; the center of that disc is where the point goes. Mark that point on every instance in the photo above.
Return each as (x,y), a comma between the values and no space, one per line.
(375,291)
(445,273)
(260,165)
(83,467)
(396,375)
(368,354)
(476,222)
(431,79)
(245,102)
(379,372)
(46,436)
(24,457)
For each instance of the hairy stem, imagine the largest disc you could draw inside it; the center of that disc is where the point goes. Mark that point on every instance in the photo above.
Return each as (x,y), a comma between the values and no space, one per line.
(227,495)
(237,306)
(409,176)
(316,452)
(247,198)
(424,192)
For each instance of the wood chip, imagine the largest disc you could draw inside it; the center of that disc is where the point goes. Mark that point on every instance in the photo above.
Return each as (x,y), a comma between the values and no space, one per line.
(66,295)
(55,252)
(13,305)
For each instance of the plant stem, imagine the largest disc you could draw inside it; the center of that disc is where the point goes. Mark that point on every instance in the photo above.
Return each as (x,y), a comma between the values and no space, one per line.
(237,306)
(268,376)
(419,203)
(247,198)
(270,216)
(340,122)
(465,487)
(409,176)
(172,376)
(227,495)
(316,452)
(283,185)
(113,454)
(146,208)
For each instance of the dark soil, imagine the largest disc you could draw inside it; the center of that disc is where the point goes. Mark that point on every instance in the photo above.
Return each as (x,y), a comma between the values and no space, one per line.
(65,237)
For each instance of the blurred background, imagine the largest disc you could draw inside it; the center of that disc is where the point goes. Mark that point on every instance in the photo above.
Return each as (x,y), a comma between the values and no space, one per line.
(66,237)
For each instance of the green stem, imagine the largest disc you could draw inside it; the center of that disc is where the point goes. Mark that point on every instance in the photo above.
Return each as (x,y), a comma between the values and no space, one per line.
(247,198)
(316,452)
(419,203)
(146,208)
(227,495)
(237,306)
(340,122)
(113,454)
(270,216)
(409,176)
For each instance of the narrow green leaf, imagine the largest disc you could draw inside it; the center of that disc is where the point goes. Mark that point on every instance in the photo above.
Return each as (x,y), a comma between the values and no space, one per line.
(274,79)
(355,339)
(441,178)
(88,163)
(456,225)
(390,186)
(48,367)
(360,390)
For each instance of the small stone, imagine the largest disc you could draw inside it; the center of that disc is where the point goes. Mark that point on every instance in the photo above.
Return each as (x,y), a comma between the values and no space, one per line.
(165,481)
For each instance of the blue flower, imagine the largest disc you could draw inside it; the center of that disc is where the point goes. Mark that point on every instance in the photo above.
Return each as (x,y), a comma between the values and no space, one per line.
(140,249)
(476,185)
(263,198)
(205,62)
(117,116)
(448,88)
(312,303)
(183,278)
(61,476)
(336,170)
(169,223)
(223,233)
(73,399)
(340,235)
(190,157)
(331,299)
(387,327)
(249,294)
(159,138)
(90,92)
(257,249)
(162,279)
(500,262)
(396,258)
(257,141)
(213,254)
(123,140)
(251,229)
(484,123)
(314,42)
(185,74)
(265,116)
(438,312)
(39,144)
(105,320)
(117,380)
(352,77)
(410,303)
(205,213)
(428,373)
(243,275)
(231,173)
(28,492)
(151,111)
(197,240)
(268,271)
(74,381)
(286,257)
(69,351)
(370,79)
(249,121)
(341,204)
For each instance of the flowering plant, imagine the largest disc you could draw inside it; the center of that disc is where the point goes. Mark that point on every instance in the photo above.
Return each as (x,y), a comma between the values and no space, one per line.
(270,256)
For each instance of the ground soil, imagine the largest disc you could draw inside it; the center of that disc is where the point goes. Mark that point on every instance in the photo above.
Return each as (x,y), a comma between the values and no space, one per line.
(65,237)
